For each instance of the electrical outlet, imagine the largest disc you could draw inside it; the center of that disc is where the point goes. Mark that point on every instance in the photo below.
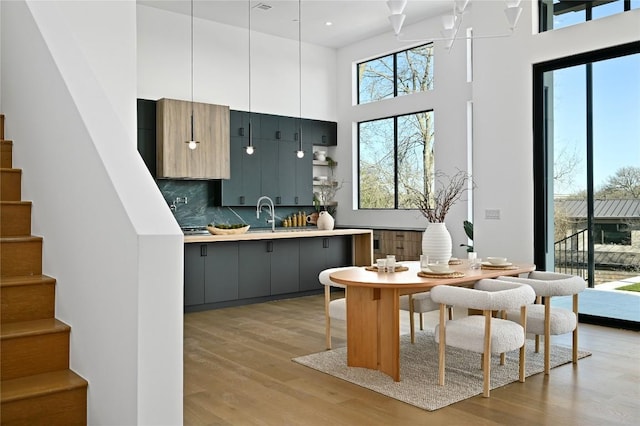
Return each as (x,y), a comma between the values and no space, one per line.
(492,214)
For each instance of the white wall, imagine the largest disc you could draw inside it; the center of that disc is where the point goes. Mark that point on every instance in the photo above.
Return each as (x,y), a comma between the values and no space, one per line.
(448,101)
(502,153)
(503,117)
(109,238)
(221,67)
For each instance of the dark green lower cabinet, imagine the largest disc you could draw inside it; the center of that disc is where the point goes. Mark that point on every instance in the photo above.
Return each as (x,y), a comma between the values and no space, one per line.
(255,269)
(319,253)
(233,271)
(285,266)
(210,273)
(193,274)
(221,272)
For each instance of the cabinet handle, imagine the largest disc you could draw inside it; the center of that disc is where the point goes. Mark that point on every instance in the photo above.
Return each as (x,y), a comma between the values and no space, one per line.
(203,250)
(241,131)
(242,199)
(296,136)
(296,199)
(278,134)
(325,243)
(324,139)
(269,246)
(278,200)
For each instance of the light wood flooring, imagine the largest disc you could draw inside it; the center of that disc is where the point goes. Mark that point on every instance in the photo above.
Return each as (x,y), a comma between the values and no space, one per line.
(238,371)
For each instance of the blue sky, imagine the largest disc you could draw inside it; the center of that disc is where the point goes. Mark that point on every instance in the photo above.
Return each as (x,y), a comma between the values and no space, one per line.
(616,118)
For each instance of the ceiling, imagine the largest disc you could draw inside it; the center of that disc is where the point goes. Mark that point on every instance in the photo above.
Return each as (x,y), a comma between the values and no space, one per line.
(352,20)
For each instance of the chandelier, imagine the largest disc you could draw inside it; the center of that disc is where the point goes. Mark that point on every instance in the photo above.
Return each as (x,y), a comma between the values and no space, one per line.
(451,23)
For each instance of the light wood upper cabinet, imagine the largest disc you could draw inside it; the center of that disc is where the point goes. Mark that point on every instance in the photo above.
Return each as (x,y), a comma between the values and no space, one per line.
(210,160)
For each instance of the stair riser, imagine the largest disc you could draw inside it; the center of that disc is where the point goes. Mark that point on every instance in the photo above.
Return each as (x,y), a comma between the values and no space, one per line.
(27,302)
(10,185)
(20,258)
(15,220)
(24,356)
(59,408)
(6,155)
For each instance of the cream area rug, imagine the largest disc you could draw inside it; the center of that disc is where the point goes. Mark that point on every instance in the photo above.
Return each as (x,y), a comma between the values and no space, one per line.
(419,371)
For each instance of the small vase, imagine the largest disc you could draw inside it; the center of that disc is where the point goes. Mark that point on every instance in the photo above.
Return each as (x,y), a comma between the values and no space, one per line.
(325,221)
(436,243)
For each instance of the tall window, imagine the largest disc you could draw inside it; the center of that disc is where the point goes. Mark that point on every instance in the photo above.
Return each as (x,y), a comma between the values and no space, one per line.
(395,156)
(398,74)
(556,14)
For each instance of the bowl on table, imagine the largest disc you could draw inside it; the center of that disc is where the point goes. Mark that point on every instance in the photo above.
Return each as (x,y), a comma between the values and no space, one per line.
(441,268)
(497,260)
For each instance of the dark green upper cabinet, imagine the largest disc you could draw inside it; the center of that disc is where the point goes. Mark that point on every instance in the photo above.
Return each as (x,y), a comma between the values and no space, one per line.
(273,169)
(323,133)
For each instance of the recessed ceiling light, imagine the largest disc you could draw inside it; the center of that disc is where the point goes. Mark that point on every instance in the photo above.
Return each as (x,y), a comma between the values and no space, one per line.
(328,23)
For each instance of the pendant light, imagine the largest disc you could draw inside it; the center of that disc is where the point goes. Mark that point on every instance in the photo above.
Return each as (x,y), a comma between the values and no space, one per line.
(250,149)
(300,152)
(192,143)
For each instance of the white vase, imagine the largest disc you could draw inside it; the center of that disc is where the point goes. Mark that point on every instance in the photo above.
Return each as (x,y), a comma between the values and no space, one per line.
(325,221)
(436,243)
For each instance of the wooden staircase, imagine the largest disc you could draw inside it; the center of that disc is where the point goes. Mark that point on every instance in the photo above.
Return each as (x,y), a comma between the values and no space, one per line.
(37,387)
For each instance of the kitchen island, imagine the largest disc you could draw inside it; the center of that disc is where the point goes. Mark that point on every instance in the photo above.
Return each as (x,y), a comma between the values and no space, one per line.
(260,265)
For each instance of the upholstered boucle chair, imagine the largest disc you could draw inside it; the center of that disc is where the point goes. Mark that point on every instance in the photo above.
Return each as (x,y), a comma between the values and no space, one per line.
(336,309)
(420,303)
(483,333)
(542,319)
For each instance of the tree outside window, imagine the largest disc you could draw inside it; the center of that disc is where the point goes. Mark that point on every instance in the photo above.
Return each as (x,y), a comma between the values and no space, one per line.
(395,156)
(402,73)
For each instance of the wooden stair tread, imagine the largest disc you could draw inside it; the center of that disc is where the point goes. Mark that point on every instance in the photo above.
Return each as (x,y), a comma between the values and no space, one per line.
(12,330)
(24,238)
(40,384)
(26,280)
(14,202)
(6,142)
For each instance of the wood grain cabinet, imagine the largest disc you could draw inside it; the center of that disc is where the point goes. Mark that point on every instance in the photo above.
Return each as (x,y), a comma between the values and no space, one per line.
(210,160)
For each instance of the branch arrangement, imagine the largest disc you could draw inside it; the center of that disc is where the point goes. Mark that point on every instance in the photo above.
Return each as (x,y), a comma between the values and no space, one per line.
(441,192)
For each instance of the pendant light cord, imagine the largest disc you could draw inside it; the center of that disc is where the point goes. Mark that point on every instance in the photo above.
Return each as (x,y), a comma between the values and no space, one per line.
(250,130)
(300,73)
(192,71)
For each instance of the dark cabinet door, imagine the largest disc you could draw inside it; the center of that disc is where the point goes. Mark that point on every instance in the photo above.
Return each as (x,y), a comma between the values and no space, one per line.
(320,253)
(194,273)
(221,272)
(287,163)
(304,176)
(285,266)
(338,251)
(269,169)
(254,268)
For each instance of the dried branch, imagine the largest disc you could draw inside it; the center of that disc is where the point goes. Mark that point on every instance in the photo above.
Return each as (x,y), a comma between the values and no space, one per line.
(440,193)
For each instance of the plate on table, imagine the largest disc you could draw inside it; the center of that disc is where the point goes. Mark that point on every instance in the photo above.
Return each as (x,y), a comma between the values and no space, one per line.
(427,273)
(497,265)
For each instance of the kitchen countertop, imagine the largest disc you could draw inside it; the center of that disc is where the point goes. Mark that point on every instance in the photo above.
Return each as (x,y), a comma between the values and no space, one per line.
(266,234)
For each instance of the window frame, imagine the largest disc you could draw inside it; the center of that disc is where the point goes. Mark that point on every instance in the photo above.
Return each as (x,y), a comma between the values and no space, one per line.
(395,159)
(394,56)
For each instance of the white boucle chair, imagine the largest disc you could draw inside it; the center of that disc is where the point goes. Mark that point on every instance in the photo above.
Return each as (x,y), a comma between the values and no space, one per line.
(542,319)
(421,303)
(336,309)
(483,333)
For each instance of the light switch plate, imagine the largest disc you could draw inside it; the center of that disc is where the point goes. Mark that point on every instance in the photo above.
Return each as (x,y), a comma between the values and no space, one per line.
(492,214)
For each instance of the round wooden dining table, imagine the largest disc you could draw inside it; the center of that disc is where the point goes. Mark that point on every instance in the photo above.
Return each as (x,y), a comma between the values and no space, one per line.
(373,307)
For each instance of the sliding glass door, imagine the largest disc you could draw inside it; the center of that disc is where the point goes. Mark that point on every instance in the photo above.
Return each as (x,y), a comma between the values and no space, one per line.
(587,164)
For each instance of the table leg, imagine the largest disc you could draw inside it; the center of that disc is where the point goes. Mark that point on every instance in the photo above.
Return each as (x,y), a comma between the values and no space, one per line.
(373,329)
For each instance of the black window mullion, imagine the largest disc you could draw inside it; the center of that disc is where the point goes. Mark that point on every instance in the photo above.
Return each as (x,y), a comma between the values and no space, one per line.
(395,162)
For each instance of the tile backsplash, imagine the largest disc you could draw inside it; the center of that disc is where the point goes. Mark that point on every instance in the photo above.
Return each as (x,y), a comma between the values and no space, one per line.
(201,210)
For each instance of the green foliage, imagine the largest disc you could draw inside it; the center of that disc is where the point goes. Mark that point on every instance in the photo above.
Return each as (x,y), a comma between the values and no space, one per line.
(630,287)
(468,229)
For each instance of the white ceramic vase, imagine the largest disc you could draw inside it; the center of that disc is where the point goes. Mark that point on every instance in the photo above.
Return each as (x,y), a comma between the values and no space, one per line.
(325,221)
(436,243)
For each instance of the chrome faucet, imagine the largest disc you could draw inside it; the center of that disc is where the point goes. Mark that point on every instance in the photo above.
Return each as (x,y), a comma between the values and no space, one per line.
(272,211)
